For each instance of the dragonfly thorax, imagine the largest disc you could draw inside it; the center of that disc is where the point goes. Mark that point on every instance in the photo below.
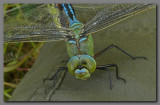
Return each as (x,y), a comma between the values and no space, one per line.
(77,29)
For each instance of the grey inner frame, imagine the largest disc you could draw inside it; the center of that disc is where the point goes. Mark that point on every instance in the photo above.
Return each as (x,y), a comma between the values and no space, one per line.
(136,35)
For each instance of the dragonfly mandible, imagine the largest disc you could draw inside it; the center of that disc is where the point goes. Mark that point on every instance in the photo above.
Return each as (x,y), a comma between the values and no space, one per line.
(51,22)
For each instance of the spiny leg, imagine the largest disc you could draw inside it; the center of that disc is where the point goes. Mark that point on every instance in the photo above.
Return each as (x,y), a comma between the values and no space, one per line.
(117,76)
(111,46)
(109,74)
(105,67)
(110,79)
(54,77)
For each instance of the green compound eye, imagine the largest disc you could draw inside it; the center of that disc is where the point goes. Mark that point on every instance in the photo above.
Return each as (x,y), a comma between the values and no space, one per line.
(88,62)
(73,63)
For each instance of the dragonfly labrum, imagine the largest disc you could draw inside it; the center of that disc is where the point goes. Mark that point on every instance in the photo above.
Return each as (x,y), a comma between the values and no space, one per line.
(52,22)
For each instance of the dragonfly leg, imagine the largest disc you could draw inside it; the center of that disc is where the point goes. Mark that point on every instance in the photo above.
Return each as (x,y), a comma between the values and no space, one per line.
(114,46)
(54,77)
(105,67)
(110,79)
(117,75)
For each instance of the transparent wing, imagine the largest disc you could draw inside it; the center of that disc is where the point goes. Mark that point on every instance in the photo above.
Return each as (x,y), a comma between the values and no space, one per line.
(35,22)
(85,12)
(114,14)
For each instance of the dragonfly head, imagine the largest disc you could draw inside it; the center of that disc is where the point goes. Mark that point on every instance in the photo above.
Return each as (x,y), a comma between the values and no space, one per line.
(81,66)
(82,73)
(77,29)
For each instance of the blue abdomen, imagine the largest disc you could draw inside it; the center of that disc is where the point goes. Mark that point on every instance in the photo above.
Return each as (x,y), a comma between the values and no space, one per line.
(70,13)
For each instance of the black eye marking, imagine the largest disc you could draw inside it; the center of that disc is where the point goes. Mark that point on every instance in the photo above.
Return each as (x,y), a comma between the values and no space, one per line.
(83,62)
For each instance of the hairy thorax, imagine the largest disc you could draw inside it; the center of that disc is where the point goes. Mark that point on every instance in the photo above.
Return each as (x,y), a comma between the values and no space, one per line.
(83,47)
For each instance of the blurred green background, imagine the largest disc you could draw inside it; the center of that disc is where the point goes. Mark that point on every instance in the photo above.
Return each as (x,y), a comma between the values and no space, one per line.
(18,59)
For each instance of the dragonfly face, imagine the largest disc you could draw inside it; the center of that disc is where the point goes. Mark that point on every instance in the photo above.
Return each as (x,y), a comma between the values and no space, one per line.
(81,66)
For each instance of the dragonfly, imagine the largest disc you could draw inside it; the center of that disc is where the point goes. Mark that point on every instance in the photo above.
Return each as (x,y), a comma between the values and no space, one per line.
(53,22)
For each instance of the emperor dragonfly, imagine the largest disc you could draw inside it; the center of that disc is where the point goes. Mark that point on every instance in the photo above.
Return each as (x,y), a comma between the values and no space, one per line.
(48,23)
